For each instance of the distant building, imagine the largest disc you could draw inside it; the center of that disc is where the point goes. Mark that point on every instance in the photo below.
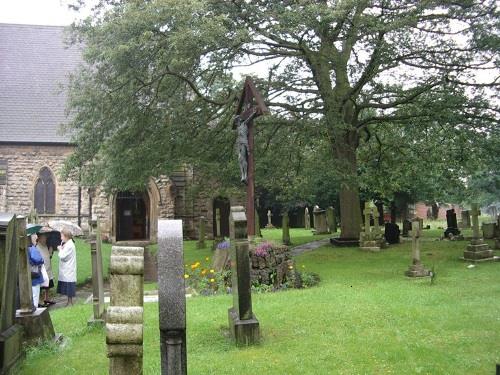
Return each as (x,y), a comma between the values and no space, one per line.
(34,68)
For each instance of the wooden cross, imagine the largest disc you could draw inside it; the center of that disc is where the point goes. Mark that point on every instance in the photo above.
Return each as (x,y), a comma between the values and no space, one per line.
(250,106)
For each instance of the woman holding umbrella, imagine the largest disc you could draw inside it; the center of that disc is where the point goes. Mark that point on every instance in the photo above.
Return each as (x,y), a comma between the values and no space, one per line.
(66,284)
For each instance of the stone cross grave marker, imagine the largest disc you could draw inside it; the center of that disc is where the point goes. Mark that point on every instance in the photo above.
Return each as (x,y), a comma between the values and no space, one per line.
(269,219)
(243,324)
(97,275)
(10,333)
(307,219)
(477,250)
(416,269)
(124,316)
(172,298)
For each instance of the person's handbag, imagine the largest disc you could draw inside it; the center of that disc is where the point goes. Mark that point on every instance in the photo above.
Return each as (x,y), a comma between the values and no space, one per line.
(45,275)
(36,272)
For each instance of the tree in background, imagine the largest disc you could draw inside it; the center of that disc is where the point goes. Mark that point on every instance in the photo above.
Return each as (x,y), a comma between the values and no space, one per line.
(159,88)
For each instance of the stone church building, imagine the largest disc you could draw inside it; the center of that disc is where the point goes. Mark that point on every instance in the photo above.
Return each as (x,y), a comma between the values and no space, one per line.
(35,65)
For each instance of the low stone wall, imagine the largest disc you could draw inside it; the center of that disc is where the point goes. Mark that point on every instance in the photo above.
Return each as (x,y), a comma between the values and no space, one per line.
(274,266)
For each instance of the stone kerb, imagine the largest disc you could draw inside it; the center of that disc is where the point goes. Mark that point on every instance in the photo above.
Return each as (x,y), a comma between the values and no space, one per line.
(124,322)
(171,297)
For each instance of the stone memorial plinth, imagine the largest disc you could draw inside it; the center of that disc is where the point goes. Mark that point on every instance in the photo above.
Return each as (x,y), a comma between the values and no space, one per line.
(243,324)
(416,269)
(124,316)
(477,250)
(10,333)
(97,276)
(171,298)
(320,224)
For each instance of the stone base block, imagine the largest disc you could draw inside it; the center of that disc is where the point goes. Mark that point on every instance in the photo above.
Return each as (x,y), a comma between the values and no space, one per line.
(344,242)
(369,245)
(479,260)
(37,326)
(497,244)
(477,251)
(96,322)
(417,270)
(10,348)
(244,332)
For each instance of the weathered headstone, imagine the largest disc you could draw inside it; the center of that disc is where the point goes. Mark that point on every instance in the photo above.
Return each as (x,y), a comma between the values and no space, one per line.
(285,228)
(406,228)
(124,316)
(243,324)
(370,240)
(97,275)
(201,234)
(451,221)
(477,250)
(269,224)
(171,298)
(488,230)
(330,219)
(392,233)
(320,224)
(10,333)
(416,269)
(466,219)
(36,322)
(217,223)
(307,219)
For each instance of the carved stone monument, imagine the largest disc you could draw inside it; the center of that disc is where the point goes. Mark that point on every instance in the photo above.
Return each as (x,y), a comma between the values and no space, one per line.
(269,220)
(416,268)
(477,250)
(97,275)
(10,333)
(371,239)
(172,299)
(451,221)
(331,220)
(307,219)
(243,324)
(124,316)
(466,219)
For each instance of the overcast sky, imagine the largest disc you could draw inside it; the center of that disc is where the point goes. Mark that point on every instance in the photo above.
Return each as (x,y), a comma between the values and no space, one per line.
(36,12)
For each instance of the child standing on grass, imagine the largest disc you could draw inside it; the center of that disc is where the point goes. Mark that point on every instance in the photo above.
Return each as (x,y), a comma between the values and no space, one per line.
(66,284)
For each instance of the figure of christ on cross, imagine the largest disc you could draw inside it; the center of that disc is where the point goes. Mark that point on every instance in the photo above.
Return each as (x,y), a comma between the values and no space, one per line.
(250,107)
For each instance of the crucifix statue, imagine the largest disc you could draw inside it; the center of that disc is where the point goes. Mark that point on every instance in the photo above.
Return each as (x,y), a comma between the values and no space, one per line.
(250,106)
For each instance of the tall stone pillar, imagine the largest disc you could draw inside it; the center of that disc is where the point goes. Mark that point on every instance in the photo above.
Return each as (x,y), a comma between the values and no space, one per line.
(243,324)
(97,275)
(307,219)
(124,316)
(201,233)
(285,227)
(25,291)
(172,298)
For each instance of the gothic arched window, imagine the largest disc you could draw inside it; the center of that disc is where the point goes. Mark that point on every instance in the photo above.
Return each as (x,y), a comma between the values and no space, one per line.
(45,192)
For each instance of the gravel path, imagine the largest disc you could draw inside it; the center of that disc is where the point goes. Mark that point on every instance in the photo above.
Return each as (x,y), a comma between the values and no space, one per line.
(310,246)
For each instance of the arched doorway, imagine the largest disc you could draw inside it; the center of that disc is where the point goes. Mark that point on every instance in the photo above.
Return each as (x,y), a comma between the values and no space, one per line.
(132,216)
(224,207)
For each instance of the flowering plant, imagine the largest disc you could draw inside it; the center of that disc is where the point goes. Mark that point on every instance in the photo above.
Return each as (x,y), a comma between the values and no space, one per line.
(224,244)
(263,249)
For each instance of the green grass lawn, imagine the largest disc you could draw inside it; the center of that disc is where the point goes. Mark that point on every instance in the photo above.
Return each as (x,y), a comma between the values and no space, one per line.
(365,317)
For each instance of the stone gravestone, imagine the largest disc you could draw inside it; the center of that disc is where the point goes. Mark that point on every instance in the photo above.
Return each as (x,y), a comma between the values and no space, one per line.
(416,269)
(330,219)
(307,219)
(320,225)
(10,333)
(172,298)
(285,228)
(36,322)
(124,316)
(465,219)
(243,324)
(391,233)
(369,239)
(477,250)
(217,223)
(488,230)
(452,225)
(406,228)
(201,234)
(97,275)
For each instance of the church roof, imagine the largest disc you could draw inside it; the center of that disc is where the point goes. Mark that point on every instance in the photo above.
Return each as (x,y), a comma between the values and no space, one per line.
(35,64)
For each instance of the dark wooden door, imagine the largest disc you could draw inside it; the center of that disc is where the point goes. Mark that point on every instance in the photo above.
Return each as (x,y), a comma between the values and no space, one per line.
(224,206)
(132,216)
